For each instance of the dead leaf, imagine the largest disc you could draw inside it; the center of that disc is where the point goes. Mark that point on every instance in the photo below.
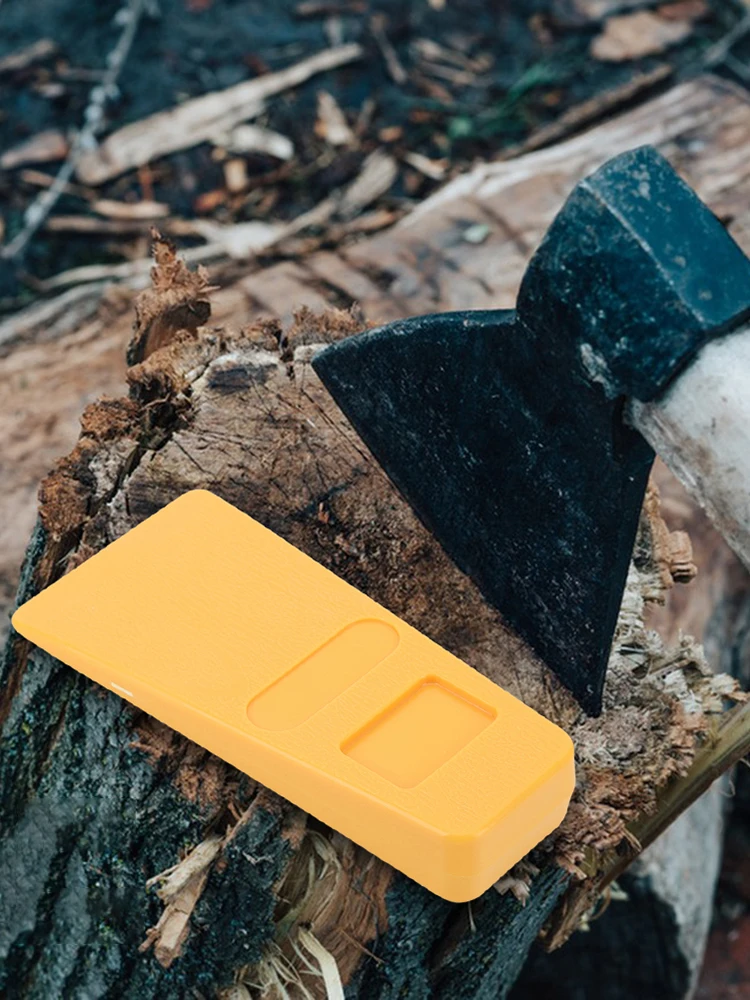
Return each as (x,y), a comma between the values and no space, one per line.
(434,169)
(634,36)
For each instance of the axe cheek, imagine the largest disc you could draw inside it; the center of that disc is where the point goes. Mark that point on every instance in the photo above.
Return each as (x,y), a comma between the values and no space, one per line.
(522,469)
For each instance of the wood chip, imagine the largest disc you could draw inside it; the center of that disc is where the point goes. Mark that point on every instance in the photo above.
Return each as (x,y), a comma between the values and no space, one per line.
(37,178)
(603,103)
(235,175)
(331,123)
(329,969)
(434,169)
(242,240)
(378,173)
(582,11)
(430,51)
(254,139)
(170,932)
(92,226)
(235,992)
(207,201)
(323,8)
(173,879)
(44,147)
(201,118)
(684,10)
(634,36)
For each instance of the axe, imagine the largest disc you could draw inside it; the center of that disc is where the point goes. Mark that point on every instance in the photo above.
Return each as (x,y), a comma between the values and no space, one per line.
(523,438)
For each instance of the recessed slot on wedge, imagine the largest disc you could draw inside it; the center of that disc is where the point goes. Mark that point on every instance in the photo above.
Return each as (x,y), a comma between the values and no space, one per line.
(216,626)
(418,732)
(320,677)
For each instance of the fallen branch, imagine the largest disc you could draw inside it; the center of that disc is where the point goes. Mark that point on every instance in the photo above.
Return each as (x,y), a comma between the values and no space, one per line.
(200,119)
(93,226)
(63,313)
(38,178)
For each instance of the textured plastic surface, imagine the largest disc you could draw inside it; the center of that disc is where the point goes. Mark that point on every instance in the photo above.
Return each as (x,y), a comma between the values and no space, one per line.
(224,631)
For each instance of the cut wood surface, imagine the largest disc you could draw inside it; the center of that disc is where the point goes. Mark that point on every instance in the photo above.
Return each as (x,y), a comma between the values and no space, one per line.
(89,785)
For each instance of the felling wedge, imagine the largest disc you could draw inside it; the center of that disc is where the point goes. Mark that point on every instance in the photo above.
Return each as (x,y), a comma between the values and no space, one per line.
(230,635)
(523,438)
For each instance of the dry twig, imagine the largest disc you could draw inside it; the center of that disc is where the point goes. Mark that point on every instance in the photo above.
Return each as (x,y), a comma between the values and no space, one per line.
(39,209)
(392,61)
(202,118)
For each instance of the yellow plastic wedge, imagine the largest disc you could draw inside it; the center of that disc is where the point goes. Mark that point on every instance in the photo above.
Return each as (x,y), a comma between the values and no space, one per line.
(224,631)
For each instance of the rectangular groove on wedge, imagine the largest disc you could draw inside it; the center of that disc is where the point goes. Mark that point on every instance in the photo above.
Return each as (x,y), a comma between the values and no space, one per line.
(323,674)
(418,732)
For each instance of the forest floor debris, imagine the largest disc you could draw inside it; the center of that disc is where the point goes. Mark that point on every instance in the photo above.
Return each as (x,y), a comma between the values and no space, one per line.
(208,115)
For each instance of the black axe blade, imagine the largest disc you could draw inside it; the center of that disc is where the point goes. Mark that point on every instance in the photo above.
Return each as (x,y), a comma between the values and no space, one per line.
(504,429)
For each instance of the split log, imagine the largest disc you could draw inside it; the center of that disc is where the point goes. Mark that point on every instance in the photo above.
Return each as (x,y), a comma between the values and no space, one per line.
(97,798)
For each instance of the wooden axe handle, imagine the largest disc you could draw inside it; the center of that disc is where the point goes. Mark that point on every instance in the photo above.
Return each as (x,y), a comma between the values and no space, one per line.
(701,428)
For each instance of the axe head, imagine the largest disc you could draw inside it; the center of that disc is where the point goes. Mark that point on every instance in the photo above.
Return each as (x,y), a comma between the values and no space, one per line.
(504,429)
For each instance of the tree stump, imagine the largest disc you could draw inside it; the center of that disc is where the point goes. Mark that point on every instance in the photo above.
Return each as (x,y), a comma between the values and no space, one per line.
(133,864)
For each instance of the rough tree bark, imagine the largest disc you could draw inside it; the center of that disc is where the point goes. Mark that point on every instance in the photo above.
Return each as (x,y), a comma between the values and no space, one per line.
(97,798)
